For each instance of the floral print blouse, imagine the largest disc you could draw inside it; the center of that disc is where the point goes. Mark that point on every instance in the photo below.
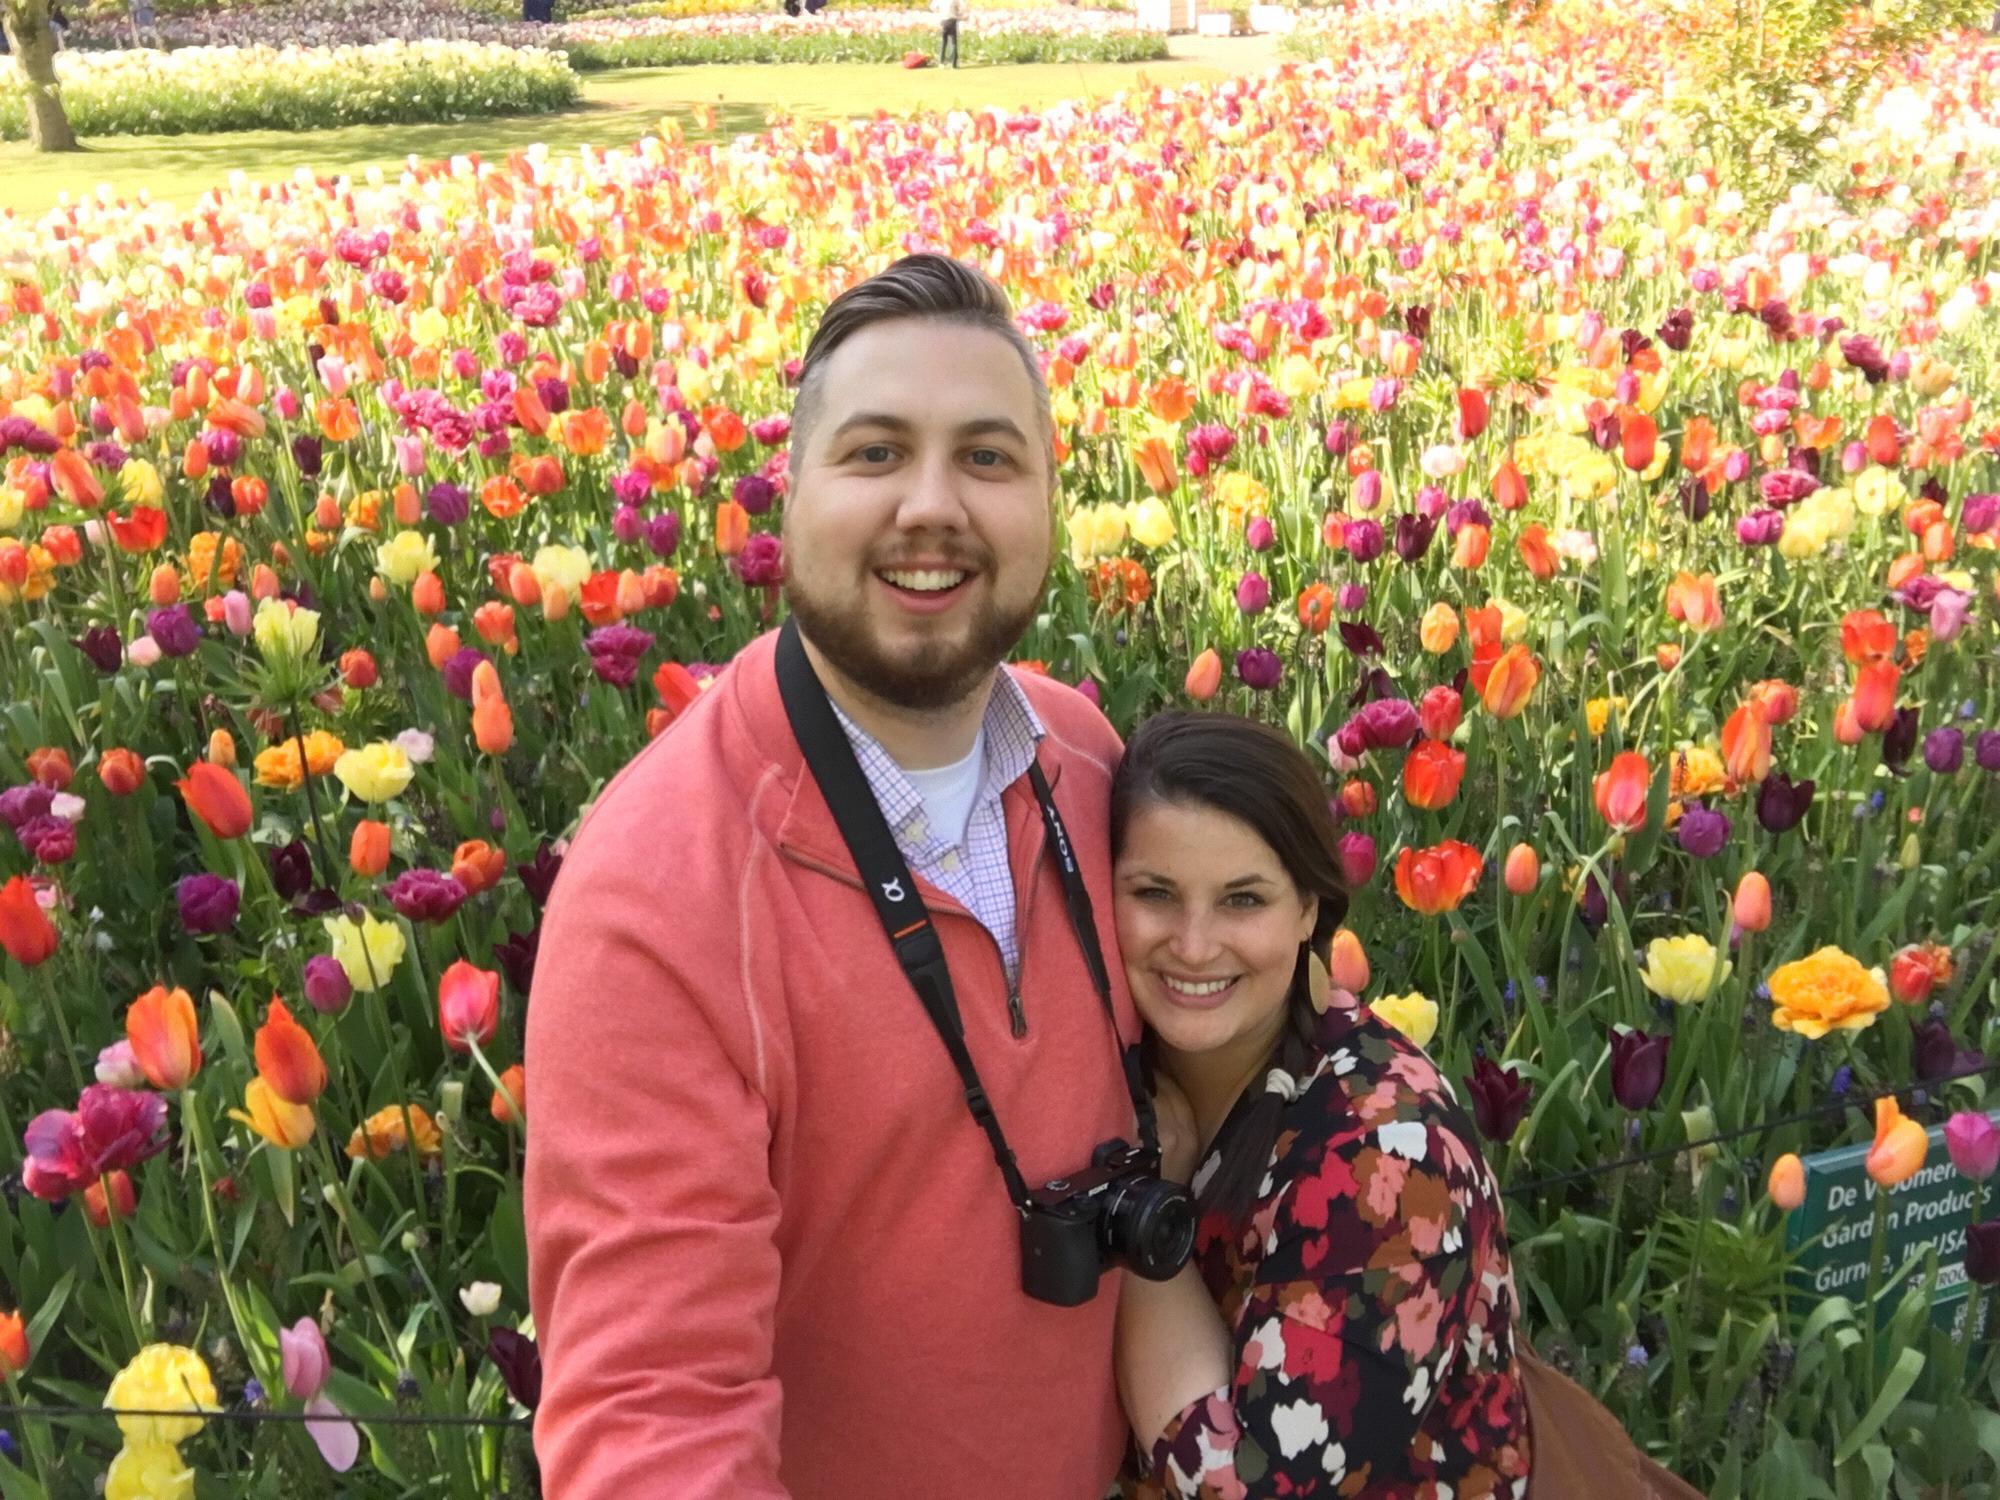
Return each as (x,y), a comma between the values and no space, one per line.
(1369,1296)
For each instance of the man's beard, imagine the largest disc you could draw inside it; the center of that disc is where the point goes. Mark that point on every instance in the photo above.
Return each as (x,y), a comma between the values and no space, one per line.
(938,675)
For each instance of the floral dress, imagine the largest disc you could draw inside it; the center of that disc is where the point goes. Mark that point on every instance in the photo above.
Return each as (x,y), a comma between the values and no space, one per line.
(1369,1297)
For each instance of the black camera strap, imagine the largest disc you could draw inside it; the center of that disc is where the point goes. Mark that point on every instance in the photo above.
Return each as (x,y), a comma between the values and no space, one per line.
(893,890)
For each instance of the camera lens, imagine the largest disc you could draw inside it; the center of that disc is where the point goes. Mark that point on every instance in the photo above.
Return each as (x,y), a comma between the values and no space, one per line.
(1149,1224)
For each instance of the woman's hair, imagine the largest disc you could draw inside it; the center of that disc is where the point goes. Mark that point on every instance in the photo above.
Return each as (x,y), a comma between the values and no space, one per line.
(1254,774)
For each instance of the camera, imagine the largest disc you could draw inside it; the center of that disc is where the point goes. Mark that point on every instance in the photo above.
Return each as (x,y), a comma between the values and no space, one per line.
(1118,1212)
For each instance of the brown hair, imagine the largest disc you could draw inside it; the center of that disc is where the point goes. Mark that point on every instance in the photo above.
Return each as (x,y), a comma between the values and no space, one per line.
(917,286)
(1255,774)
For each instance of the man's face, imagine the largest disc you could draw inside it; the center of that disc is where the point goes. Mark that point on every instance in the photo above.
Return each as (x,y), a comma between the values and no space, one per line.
(918,531)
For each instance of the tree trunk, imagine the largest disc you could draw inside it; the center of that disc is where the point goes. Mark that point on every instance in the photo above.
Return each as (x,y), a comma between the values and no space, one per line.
(34,46)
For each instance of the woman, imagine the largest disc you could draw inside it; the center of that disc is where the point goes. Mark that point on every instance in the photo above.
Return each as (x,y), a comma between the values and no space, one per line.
(1347,1325)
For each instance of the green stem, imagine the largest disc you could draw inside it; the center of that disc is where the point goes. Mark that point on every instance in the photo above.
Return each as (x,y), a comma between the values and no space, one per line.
(520,1114)
(364,1245)
(125,1304)
(1877,1254)
(31,1435)
(112,1217)
(197,1126)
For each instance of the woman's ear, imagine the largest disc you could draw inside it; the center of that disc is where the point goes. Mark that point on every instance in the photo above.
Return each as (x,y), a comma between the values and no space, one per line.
(1308,918)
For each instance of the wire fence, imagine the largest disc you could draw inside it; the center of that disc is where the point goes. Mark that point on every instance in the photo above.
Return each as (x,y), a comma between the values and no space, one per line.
(1515,1190)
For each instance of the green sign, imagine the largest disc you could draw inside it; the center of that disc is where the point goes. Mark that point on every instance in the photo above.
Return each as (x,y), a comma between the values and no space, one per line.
(1838,1217)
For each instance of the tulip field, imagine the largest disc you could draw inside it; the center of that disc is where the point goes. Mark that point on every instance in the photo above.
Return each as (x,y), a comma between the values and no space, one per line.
(1627,554)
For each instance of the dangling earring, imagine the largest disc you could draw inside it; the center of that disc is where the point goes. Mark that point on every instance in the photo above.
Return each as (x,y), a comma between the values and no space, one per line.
(1319,982)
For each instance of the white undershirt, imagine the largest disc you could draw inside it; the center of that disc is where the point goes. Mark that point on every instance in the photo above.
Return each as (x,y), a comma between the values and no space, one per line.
(950,791)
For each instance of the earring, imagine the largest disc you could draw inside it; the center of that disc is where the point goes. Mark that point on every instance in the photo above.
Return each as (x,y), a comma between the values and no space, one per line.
(1319,983)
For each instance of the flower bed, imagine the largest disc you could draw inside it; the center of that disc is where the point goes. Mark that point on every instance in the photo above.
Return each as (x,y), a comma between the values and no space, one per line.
(295,88)
(1631,563)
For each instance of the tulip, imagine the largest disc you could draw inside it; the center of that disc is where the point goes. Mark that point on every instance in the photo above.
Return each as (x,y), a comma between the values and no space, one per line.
(1974,1143)
(165,1037)
(1982,1253)
(1510,683)
(1204,678)
(519,1362)
(1746,744)
(287,1057)
(27,935)
(1787,1183)
(1499,1099)
(514,1086)
(1435,880)
(306,1364)
(1621,792)
(112,1193)
(1703,832)
(1431,775)
(14,1351)
(1347,962)
(1936,1053)
(468,1005)
(1695,602)
(1357,859)
(217,798)
(1439,712)
(1781,803)
(327,986)
(121,771)
(1874,699)
(1900,1145)
(285,1125)
(207,903)
(1911,976)
(1259,668)
(1638,1067)
(368,849)
(1523,870)
(1944,750)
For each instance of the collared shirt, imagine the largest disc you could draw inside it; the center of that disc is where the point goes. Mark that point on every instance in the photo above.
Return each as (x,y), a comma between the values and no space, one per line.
(976,873)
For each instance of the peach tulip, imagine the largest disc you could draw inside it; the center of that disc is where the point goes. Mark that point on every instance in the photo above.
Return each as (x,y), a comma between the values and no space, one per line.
(1523,870)
(1752,904)
(165,1037)
(1621,791)
(1900,1145)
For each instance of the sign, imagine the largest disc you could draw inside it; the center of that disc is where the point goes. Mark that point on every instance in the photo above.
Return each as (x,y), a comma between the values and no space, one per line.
(1932,1208)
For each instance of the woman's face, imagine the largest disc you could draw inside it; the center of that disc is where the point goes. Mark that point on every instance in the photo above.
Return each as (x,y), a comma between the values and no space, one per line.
(1209,924)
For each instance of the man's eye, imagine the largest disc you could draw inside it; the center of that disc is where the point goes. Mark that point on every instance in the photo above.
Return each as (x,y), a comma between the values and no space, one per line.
(875,453)
(988,458)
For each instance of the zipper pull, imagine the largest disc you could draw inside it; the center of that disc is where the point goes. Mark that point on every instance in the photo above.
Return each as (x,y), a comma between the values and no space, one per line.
(1019,1015)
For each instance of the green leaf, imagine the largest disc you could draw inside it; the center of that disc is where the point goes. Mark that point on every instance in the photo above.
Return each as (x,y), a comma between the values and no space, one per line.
(1909,1364)
(51,1309)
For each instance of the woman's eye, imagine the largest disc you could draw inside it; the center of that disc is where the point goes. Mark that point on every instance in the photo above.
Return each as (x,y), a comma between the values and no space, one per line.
(1150,893)
(1245,901)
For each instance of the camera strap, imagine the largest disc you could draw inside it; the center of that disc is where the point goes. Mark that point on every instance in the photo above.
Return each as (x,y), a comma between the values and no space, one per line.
(893,890)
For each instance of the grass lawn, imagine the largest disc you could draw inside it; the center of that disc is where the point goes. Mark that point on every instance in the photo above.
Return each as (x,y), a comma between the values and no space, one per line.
(616,107)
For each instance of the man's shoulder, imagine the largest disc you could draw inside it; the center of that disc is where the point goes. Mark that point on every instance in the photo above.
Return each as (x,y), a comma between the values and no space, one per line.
(1082,736)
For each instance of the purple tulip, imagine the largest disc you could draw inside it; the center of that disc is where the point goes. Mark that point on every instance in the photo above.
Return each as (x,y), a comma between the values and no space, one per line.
(1782,487)
(615,651)
(517,958)
(627,524)
(1363,540)
(1949,611)
(631,487)
(1980,513)
(447,504)
(1253,594)
(1367,493)
(1703,832)
(291,869)
(538,877)
(458,672)
(519,1362)
(48,839)
(1986,750)
(1936,1053)
(1944,750)
(1899,739)
(102,646)
(1499,1099)
(1259,668)
(21,805)
(1385,724)
(1259,535)
(1638,1067)
(1413,536)
(173,630)
(426,895)
(1982,1253)
(1866,356)
(761,563)
(111,1129)
(663,533)
(1761,528)
(328,988)
(207,902)
(1974,1143)
(1782,803)
(1678,330)
(754,493)
(1350,597)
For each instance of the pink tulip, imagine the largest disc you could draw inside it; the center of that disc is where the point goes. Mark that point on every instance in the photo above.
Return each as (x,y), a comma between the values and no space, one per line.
(1974,1143)
(303,1349)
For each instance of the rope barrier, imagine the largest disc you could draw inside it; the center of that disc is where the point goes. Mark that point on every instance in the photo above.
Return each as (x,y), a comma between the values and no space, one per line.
(242,1414)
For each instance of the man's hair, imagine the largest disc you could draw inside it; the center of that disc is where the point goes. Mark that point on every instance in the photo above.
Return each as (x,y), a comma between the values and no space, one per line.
(917,286)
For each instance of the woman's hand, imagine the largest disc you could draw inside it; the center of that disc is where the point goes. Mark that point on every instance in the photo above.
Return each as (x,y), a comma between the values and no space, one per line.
(1180,1140)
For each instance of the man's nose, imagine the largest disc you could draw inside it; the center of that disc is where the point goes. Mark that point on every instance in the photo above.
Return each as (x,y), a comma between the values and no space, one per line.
(934,499)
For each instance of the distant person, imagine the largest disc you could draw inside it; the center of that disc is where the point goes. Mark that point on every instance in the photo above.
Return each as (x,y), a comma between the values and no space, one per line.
(948,13)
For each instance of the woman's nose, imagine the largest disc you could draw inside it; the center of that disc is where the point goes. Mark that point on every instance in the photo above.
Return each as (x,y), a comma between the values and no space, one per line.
(1191,942)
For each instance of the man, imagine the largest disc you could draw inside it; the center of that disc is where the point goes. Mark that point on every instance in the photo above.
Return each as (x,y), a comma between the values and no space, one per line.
(770,1251)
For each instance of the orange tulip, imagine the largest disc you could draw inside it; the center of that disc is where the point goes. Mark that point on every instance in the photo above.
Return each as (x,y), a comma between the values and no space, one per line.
(1875,696)
(1694,602)
(1316,607)
(1865,636)
(1156,464)
(1511,682)
(677,687)
(1437,879)
(468,1005)
(1779,701)
(1847,728)
(1621,792)
(1752,906)
(121,771)
(1510,490)
(1697,444)
(98,1204)
(1523,870)
(1204,678)
(14,1349)
(1746,744)
(1881,442)
(75,480)
(165,1037)
(1900,1145)
(368,849)
(732,528)
(441,644)
(515,1081)
(1787,1184)
(27,935)
(50,766)
(427,594)
(1431,775)
(1357,798)
(1347,962)
(1537,555)
(478,866)
(492,719)
(217,798)
(287,1058)
(1469,547)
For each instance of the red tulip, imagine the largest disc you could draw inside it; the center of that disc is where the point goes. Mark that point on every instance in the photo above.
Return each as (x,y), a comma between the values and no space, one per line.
(216,797)
(468,1005)
(1472,413)
(1437,879)
(27,935)
(1431,775)
(1874,697)
(288,1059)
(1622,791)
(1640,436)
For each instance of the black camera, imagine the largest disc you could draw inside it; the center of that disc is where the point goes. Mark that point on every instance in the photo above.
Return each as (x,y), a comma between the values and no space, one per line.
(1119,1212)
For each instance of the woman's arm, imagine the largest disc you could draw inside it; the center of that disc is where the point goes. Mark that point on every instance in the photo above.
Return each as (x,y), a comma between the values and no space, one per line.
(1173,1349)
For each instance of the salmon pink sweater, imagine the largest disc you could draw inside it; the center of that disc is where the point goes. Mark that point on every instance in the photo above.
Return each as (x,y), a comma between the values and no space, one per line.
(770,1253)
